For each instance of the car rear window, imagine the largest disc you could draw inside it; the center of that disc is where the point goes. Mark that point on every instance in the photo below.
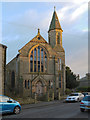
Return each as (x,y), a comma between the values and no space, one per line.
(74,95)
(86,98)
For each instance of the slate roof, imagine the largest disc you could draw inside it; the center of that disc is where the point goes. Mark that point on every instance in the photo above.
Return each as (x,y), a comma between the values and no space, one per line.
(55,24)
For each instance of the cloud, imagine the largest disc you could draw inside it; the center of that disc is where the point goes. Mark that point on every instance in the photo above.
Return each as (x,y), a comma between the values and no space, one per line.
(79,2)
(79,11)
(21,28)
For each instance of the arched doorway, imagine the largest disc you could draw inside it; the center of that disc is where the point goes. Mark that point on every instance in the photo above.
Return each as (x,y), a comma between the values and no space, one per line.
(39,88)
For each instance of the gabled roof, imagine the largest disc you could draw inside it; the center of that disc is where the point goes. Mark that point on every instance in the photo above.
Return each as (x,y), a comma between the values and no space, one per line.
(55,24)
(1,45)
(37,39)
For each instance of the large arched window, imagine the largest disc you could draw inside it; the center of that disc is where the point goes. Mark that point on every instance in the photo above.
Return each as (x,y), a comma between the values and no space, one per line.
(38,60)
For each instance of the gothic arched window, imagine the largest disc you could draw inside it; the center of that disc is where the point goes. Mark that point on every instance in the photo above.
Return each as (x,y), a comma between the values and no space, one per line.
(25,84)
(13,79)
(38,60)
(28,84)
(58,38)
(59,80)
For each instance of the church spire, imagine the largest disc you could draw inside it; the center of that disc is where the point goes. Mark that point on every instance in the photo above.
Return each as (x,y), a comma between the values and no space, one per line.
(55,22)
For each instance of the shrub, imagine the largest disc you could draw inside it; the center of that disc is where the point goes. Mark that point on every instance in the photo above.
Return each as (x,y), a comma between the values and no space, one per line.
(68,91)
(42,98)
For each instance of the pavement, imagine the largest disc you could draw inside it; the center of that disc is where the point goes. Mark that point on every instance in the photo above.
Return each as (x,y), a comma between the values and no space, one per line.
(40,104)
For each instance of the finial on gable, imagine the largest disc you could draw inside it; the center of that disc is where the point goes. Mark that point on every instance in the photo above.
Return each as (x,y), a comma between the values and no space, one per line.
(38,31)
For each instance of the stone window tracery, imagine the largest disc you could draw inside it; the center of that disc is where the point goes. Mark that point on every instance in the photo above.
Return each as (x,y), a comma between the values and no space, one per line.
(38,60)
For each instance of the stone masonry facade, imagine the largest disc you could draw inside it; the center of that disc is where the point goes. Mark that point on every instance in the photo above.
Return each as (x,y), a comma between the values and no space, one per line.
(39,68)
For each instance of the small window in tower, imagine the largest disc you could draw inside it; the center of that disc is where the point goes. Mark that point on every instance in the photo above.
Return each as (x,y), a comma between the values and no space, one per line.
(58,39)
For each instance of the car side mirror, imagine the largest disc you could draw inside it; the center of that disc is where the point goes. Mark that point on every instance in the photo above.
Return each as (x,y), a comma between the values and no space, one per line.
(9,101)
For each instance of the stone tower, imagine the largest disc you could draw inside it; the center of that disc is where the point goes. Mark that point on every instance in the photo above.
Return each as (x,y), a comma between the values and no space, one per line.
(55,31)
(55,40)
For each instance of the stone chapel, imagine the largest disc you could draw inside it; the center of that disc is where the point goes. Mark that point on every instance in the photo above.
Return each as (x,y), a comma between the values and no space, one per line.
(39,68)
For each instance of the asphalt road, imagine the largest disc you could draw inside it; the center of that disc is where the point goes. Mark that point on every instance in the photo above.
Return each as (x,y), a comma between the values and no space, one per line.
(59,110)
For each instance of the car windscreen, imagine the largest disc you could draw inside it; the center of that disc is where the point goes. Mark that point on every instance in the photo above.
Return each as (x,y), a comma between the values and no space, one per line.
(73,95)
(86,98)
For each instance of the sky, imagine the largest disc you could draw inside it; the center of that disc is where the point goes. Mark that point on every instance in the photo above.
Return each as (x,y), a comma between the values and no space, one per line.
(21,20)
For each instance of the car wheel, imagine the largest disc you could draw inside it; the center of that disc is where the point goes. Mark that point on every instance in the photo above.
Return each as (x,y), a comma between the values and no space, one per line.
(17,110)
(82,110)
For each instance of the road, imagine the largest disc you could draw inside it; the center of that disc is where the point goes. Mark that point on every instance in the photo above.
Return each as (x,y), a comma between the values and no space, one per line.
(59,110)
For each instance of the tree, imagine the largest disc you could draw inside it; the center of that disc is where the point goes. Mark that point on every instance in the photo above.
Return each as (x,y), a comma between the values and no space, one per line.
(71,82)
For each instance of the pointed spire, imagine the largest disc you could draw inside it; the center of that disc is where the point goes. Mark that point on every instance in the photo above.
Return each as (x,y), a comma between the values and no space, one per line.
(55,22)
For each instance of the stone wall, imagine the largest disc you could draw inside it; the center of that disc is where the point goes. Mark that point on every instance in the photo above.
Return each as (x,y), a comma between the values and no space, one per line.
(85,81)
(2,68)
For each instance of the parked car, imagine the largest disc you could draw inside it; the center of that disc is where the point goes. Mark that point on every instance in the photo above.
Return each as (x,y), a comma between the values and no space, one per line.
(8,105)
(85,93)
(85,103)
(74,97)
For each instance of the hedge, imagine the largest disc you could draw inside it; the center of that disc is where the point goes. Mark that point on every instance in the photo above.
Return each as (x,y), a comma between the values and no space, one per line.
(83,89)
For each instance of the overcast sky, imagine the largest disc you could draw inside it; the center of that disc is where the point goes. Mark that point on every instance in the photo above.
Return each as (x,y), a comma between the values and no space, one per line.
(20,21)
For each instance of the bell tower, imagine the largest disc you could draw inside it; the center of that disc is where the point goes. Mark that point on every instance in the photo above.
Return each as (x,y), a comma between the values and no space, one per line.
(55,31)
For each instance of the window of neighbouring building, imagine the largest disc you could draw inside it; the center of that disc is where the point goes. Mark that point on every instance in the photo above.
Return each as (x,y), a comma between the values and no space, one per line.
(13,79)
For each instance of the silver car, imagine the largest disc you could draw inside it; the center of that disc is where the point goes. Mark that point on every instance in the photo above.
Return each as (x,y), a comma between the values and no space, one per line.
(85,103)
(75,97)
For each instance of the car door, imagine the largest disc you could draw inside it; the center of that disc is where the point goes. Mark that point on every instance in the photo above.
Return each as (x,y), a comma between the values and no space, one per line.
(7,105)
(0,104)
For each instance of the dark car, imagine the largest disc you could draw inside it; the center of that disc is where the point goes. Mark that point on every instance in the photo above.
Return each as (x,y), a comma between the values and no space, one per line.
(85,93)
(8,105)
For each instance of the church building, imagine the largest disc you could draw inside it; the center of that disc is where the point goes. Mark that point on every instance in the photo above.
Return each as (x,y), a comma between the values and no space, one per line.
(39,68)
